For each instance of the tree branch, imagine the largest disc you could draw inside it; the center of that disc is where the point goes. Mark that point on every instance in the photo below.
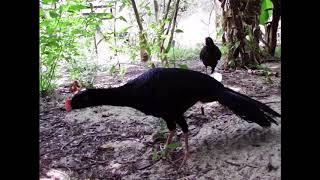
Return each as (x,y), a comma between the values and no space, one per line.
(174,25)
(137,15)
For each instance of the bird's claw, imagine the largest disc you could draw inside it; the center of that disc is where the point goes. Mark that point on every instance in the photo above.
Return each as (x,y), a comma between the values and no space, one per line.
(184,159)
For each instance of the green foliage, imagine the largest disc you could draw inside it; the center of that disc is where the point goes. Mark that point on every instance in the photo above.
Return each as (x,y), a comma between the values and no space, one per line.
(156,36)
(179,31)
(252,46)
(225,49)
(160,136)
(63,29)
(156,155)
(113,70)
(122,72)
(116,70)
(60,31)
(265,11)
(133,51)
(49,1)
(82,70)
(266,71)
(235,45)
(232,63)
(184,53)
(122,18)
(220,33)
(174,145)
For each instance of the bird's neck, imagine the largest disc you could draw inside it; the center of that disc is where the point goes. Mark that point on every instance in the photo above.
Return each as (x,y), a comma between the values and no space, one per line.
(120,96)
(210,45)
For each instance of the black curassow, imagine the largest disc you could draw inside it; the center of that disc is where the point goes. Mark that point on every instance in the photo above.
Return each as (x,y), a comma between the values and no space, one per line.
(168,93)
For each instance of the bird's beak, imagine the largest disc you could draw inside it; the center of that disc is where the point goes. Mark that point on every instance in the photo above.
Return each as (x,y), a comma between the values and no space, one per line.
(68,105)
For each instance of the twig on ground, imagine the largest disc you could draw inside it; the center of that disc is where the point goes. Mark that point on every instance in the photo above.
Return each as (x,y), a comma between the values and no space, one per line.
(145,167)
(243,164)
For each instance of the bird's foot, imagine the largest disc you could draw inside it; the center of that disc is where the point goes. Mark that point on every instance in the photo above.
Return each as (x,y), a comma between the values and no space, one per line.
(184,159)
(165,149)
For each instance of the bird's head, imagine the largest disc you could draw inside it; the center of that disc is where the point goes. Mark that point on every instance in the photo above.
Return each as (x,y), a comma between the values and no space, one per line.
(209,41)
(80,98)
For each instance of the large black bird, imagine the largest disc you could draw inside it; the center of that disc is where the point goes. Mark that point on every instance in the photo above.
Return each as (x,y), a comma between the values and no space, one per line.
(168,93)
(210,54)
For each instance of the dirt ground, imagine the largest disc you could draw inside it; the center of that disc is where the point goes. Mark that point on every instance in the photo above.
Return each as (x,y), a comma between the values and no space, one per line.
(109,142)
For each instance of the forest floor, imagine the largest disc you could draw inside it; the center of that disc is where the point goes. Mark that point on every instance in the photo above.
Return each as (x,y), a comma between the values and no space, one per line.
(109,142)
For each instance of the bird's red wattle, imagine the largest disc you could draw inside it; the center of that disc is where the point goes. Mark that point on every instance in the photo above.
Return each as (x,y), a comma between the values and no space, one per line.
(68,105)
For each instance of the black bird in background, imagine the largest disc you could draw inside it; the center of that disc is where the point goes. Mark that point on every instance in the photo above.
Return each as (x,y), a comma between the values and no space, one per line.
(210,54)
(168,93)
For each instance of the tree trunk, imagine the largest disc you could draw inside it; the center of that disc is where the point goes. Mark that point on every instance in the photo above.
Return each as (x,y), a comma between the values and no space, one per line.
(172,32)
(94,37)
(144,50)
(174,26)
(239,21)
(162,27)
(156,9)
(273,27)
(136,13)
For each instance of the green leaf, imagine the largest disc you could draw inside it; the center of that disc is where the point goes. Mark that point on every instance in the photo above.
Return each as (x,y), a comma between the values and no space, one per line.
(183,66)
(236,45)
(148,8)
(113,69)
(122,18)
(220,32)
(125,29)
(106,15)
(163,36)
(48,1)
(232,63)
(153,25)
(41,14)
(53,14)
(173,145)
(110,4)
(265,11)
(155,155)
(167,21)
(123,72)
(76,7)
(126,2)
(179,31)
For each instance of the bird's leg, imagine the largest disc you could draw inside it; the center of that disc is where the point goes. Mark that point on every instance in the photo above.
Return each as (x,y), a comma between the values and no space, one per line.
(184,126)
(202,110)
(186,153)
(206,70)
(170,136)
(169,141)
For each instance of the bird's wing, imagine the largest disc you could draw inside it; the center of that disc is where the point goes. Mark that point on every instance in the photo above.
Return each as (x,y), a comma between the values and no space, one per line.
(204,53)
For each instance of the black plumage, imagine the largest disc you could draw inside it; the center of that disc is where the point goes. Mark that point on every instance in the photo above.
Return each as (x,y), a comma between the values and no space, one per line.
(210,54)
(169,92)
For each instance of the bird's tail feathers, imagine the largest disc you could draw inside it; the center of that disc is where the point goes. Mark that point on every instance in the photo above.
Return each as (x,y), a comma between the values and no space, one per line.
(248,108)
